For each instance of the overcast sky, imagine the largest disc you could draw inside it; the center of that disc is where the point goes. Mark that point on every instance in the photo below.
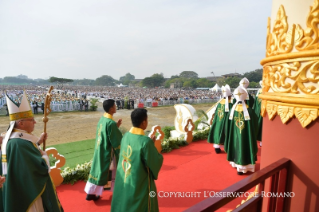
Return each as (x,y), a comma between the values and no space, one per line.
(89,38)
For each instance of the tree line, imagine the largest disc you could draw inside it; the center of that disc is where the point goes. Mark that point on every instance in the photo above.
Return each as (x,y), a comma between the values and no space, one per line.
(186,79)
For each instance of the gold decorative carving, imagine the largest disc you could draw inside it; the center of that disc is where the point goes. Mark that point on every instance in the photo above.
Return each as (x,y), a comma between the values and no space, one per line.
(308,39)
(240,121)
(291,68)
(285,113)
(306,115)
(179,120)
(281,39)
(292,77)
(263,108)
(271,110)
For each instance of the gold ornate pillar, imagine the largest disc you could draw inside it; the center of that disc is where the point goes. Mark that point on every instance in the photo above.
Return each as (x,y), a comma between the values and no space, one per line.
(291,66)
(290,100)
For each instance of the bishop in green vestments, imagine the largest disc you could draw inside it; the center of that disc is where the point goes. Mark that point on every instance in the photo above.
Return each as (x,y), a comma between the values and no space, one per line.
(28,185)
(241,143)
(257,108)
(217,131)
(27,178)
(138,168)
(106,151)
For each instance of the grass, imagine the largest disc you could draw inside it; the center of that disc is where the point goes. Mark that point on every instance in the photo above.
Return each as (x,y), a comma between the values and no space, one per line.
(75,152)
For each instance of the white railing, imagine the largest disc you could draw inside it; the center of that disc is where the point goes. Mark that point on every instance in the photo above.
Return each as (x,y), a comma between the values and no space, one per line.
(68,106)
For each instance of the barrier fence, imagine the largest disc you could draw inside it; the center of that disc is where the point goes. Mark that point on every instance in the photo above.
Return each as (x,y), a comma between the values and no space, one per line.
(2,102)
(165,102)
(75,105)
(180,101)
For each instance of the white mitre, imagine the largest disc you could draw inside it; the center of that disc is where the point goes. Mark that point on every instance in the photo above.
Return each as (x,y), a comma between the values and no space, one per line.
(22,111)
(244,82)
(226,93)
(240,94)
(16,112)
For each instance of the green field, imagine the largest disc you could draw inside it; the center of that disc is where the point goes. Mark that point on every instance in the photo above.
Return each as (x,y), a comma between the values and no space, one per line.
(75,153)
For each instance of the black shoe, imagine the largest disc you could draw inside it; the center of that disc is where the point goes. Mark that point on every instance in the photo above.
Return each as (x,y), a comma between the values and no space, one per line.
(108,188)
(217,150)
(93,197)
(240,173)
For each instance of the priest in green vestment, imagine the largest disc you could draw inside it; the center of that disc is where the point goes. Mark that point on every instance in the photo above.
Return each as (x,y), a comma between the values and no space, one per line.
(217,131)
(241,139)
(28,185)
(106,152)
(257,108)
(140,163)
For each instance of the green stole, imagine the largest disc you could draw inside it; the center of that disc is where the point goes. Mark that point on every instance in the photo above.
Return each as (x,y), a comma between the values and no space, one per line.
(138,168)
(240,143)
(108,141)
(257,108)
(217,131)
(27,178)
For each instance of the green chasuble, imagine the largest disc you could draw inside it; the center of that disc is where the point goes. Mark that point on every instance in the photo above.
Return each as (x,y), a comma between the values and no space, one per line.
(257,108)
(217,130)
(139,165)
(241,141)
(27,179)
(108,141)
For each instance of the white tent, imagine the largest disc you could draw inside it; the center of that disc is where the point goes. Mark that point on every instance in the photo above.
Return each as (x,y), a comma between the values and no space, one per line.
(216,88)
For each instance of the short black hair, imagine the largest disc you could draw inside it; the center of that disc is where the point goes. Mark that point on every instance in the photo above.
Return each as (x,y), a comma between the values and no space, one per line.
(138,116)
(107,104)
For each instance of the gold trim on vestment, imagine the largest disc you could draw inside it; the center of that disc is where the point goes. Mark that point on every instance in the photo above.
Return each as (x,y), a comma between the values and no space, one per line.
(37,197)
(239,107)
(94,178)
(4,158)
(127,162)
(137,131)
(56,196)
(109,116)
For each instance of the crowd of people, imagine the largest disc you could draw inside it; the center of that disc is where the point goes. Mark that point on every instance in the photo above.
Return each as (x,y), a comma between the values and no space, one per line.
(77,97)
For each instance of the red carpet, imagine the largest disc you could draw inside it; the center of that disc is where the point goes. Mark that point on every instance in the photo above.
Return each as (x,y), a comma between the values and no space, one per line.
(194,168)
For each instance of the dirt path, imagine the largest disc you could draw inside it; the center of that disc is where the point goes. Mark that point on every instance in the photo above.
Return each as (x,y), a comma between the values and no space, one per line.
(67,127)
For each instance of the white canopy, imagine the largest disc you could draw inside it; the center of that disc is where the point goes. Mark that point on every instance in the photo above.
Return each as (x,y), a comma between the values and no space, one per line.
(216,88)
